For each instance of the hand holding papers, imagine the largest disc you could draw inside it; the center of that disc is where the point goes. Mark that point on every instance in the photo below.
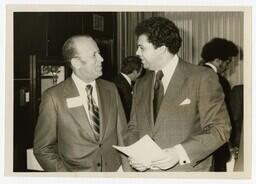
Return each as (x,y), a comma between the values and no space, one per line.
(144,151)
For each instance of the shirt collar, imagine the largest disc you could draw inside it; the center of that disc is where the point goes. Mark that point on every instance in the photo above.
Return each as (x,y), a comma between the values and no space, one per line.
(170,67)
(80,82)
(168,71)
(127,78)
(212,66)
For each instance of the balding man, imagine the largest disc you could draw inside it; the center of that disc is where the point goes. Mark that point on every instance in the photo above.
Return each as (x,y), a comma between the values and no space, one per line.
(81,118)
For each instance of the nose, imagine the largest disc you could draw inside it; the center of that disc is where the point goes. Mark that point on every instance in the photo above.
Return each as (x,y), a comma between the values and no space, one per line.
(100,58)
(138,52)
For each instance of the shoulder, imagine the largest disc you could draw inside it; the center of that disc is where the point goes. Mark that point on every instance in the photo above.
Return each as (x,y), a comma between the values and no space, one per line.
(105,84)
(58,89)
(119,79)
(238,88)
(195,71)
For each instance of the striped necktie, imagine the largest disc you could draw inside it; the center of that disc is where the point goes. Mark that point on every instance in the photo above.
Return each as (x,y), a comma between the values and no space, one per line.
(93,112)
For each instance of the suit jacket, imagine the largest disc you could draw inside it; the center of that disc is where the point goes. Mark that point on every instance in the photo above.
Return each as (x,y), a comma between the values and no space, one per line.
(192,114)
(125,92)
(222,155)
(64,140)
(224,84)
(236,112)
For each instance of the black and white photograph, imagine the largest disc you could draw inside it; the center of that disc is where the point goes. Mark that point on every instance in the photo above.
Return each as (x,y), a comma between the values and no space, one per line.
(128,91)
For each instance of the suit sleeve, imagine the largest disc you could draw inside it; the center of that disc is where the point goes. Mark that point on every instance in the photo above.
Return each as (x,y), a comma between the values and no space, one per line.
(236,114)
(45,139)
(214,119)
(133,132)
(122,132)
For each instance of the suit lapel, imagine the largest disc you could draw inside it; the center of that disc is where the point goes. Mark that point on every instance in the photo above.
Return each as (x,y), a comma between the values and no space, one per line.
(148,95)
(125,82)
(78,113)
(173,91)
(104,101)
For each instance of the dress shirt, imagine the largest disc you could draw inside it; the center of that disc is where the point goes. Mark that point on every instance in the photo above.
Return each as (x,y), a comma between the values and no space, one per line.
(168,71)
(127,78)
(81,85)
(212,66)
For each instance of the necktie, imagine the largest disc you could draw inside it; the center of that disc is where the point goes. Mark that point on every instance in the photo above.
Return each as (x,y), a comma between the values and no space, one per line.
(93,112)
(158,92)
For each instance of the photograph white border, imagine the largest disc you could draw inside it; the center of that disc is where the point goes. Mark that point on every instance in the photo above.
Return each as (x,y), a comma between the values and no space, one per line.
(9,88)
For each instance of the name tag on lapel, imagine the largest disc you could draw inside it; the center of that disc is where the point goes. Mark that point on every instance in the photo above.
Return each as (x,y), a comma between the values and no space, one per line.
(74,102)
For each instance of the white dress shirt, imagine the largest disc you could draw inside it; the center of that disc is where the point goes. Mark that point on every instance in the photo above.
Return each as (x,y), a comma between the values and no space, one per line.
(212,66)
(127,78)
(168,71)
(81,85)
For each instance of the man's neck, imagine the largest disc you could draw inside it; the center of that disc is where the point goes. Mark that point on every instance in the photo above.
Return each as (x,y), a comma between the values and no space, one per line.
(165,60)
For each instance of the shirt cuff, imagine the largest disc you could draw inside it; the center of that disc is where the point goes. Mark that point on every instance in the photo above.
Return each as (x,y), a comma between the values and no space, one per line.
(184,159)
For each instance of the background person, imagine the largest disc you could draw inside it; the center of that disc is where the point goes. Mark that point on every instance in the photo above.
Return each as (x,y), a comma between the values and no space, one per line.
(130,71)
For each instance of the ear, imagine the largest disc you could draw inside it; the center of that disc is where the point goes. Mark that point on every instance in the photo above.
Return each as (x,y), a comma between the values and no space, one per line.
(162,49)
(75,63)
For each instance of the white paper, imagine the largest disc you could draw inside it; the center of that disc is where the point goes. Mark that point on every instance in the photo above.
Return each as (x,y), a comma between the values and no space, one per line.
(32,163)
(144,150)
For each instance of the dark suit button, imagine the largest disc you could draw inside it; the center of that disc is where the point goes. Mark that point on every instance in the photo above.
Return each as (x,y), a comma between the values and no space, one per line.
(184,161)
(98,164)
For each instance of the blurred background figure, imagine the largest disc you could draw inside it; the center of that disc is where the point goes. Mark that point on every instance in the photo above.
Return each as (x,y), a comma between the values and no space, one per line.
(130,70)
(217,54)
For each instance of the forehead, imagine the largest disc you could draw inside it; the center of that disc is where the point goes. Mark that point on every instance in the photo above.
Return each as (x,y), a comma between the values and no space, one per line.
(143,40)
(85,44)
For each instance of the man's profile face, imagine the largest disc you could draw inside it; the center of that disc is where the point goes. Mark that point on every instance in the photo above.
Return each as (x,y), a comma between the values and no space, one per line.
(90,61)
(147,53)
(224,65)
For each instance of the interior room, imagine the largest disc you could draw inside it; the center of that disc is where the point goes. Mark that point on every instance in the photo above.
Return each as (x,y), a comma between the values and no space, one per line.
(38,38)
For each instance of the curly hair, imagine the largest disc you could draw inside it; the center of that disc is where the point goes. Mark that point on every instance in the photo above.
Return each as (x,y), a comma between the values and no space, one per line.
(160,31)
(219,48)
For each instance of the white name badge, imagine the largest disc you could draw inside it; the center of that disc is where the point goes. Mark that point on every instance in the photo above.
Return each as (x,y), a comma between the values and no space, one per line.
(74,102)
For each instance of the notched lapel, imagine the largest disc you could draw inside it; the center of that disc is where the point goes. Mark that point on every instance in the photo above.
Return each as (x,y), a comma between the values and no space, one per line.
(173,91)
(147,86)
(105,104)
(78,113)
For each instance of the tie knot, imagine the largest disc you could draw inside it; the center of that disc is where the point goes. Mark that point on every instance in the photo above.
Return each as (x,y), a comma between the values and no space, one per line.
(88,89)
(159,75)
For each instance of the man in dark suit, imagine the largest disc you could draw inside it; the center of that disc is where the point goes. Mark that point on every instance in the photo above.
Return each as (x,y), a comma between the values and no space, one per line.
(216,55)
(81,118)
(179,105)
(236,115)
(130,71)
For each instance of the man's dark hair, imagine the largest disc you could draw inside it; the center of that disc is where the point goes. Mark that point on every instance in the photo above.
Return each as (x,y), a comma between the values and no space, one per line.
(219,48)
(130,64)
(160,31)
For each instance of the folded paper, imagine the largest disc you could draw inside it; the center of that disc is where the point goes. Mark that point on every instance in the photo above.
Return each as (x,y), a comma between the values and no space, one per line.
(144,150)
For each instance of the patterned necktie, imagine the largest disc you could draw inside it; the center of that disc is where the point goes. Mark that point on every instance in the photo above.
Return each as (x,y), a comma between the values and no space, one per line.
(93,112)
(158,92)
